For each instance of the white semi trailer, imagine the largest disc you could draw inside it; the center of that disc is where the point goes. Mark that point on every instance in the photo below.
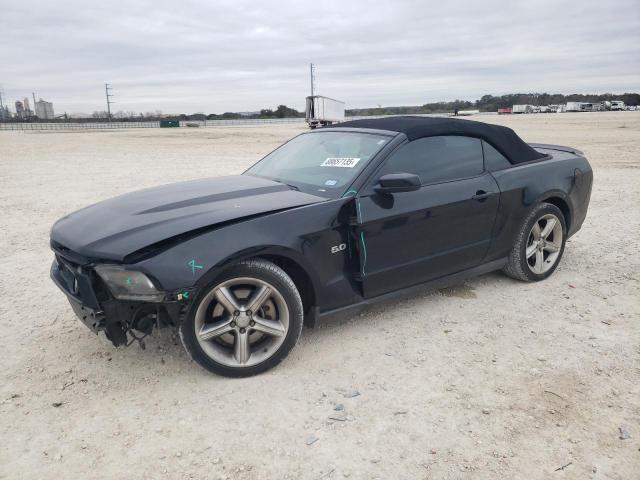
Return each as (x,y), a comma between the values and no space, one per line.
(522,109)
(322,111)
(575,107)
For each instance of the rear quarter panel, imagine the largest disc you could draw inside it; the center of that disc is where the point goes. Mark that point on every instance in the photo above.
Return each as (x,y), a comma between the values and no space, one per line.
(566,175)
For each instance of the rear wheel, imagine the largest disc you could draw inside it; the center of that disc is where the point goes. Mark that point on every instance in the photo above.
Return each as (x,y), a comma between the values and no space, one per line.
(245,322)
(539,245)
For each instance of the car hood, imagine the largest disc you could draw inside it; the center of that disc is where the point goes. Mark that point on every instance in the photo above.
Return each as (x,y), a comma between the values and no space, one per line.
(117,227)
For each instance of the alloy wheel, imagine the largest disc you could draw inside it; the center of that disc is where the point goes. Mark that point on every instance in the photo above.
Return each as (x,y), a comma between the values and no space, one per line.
(544,244)
(242,322)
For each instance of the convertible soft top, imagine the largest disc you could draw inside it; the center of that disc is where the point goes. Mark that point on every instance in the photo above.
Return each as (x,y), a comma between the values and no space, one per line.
(502,138)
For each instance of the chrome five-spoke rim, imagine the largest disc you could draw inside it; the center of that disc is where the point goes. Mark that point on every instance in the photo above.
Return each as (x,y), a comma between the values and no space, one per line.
(242,322)
(544,243)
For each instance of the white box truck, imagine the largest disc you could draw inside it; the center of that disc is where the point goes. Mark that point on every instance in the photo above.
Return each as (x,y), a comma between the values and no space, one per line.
(522,109)
(617,105)
(322,111)
(575,107)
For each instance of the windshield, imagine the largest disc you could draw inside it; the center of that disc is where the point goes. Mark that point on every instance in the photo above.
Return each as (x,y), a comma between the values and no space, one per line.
(323,163)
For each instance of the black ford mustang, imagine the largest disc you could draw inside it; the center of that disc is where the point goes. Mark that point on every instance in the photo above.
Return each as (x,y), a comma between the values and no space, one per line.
(329,222)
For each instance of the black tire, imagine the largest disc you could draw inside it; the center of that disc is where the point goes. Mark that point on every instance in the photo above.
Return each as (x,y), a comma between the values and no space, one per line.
(267,272)
(518,266)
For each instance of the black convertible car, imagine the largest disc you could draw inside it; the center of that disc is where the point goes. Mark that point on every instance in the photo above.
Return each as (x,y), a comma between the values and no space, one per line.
(329,222)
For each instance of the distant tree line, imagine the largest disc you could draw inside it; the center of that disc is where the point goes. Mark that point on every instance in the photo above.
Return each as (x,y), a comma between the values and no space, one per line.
(281,112)
(489,103)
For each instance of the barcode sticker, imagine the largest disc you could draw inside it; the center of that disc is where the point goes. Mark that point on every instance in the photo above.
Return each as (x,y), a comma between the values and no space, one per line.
(340,162)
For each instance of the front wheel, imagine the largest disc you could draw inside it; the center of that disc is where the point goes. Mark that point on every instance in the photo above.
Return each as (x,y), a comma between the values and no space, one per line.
(539,245)
(245,322)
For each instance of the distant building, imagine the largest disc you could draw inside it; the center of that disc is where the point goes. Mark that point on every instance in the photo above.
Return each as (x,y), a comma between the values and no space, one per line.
(4,109)
(27,108)
(44,110)
(19,109)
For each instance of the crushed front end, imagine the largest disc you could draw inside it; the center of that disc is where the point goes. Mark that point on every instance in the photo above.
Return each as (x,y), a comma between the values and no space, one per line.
(124,304)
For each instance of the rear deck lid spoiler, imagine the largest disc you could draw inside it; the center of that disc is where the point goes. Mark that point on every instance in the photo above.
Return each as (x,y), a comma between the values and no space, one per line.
(560,148)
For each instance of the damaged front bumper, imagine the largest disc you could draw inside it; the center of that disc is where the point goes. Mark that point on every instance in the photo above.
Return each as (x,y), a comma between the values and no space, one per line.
(122,321)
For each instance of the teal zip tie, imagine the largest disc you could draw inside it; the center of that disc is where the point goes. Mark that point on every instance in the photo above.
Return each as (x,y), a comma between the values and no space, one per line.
(364,251)
(359,213)
(364,245)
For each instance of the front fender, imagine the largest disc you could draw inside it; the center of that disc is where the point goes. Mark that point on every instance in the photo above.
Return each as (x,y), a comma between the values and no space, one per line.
(261,251)
(304,235)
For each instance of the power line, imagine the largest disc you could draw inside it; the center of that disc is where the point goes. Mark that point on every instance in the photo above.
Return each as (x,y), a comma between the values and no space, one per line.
(312,68)
(107,90)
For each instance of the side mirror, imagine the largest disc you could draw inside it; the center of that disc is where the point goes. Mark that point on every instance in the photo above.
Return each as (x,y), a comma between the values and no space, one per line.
(398,182)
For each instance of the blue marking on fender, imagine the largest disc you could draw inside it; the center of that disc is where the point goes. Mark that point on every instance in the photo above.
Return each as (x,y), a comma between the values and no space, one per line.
(194,266)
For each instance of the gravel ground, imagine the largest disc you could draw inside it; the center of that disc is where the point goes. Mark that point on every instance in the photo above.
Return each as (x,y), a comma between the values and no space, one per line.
(489,379)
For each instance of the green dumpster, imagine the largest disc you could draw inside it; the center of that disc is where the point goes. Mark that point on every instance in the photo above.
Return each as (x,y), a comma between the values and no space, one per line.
(169,123)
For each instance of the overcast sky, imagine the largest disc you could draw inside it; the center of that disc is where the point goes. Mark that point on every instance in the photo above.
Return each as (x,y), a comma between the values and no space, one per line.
(214,56)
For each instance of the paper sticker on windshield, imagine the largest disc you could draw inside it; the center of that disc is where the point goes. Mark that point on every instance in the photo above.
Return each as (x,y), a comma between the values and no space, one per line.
(330,183)
(340,162)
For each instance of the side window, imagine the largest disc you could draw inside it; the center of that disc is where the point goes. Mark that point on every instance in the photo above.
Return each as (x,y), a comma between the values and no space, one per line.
(493,159)
(438,159)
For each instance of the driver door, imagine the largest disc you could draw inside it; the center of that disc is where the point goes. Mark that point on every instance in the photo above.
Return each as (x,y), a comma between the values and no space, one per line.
(443,227)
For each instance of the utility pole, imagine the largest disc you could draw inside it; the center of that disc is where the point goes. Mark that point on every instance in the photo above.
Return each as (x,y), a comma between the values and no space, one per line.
(107,90)
(312,68)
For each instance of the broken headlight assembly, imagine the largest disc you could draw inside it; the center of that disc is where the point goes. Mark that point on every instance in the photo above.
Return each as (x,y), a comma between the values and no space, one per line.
(129,284)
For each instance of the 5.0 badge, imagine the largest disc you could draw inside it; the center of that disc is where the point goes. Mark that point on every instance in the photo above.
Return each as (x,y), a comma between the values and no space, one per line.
(338,248)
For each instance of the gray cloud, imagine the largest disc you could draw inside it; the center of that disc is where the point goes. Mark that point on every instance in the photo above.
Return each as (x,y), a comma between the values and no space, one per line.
(188,56)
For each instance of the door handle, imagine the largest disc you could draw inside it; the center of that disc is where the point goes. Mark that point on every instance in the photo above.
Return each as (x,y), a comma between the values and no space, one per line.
(481,196)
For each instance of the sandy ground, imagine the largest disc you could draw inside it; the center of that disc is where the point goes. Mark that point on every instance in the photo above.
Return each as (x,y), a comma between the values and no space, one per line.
(490,379)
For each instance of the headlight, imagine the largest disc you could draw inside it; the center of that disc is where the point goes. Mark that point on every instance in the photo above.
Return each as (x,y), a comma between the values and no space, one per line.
(129,284)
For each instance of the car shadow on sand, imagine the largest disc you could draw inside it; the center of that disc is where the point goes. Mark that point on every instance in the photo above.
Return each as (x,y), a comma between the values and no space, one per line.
(164,356)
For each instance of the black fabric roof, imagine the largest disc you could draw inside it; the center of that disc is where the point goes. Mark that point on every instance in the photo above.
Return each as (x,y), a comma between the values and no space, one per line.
(502,138)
